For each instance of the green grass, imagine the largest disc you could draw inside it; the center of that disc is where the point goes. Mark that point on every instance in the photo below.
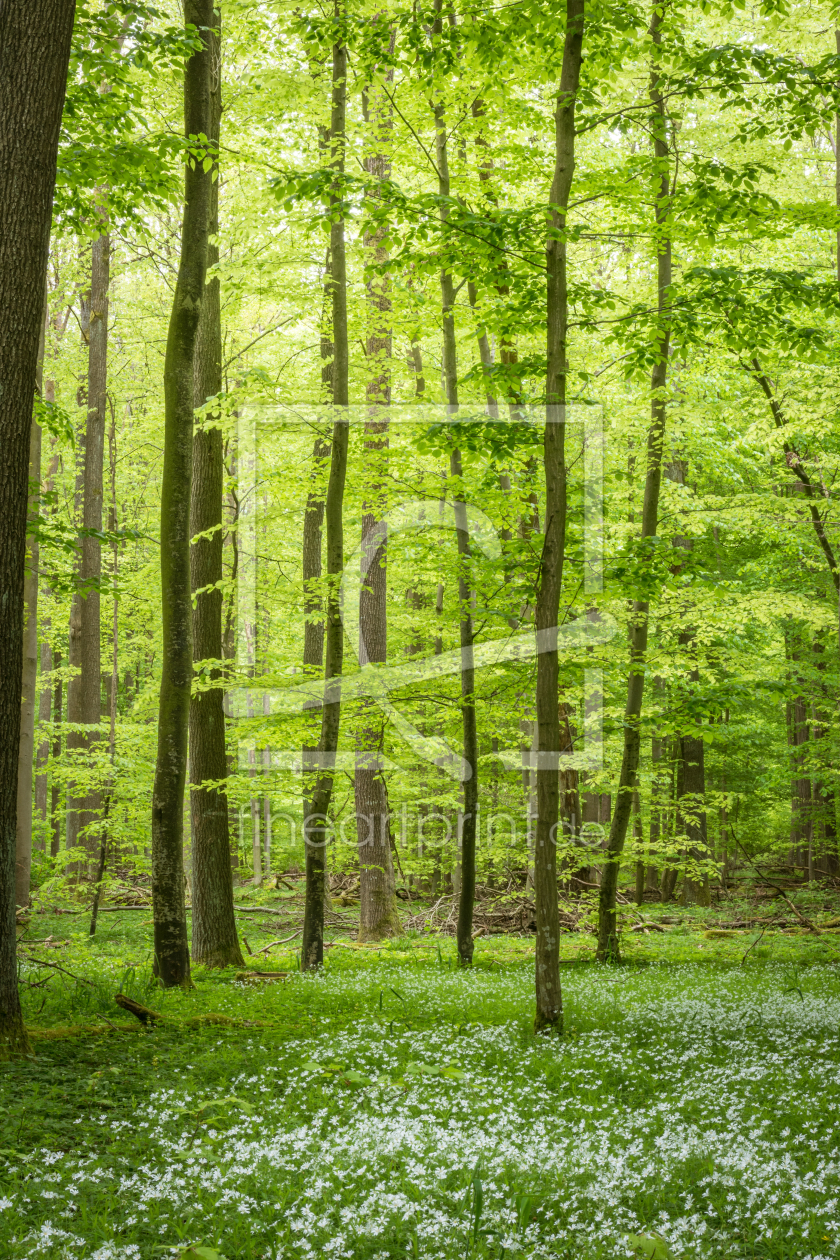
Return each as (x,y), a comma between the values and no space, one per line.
(397,1107)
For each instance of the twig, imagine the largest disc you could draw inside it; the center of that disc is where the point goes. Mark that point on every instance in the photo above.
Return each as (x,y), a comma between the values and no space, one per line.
(42,962)
(754,943)
(107,1021)
(769,884)
(266,948)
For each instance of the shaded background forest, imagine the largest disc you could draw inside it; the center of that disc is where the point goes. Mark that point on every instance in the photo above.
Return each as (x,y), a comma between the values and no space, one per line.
(743,659)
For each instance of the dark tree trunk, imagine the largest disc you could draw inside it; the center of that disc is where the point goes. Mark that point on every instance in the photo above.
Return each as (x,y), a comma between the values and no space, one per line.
(378,915)
(90,570)
(693,810)
(214,938)
(34,53)
(26,753)
(172,958)
(315,823)
(467,820)
(608,939)
(43,753)
(549,999)
(55,793)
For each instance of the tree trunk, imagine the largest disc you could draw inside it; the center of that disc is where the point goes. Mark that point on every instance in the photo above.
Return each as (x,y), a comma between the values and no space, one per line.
(90,662)
(467,819)
(608,940)
(34,53)
(549,999)
(215,942)
(55,793)
(315,822)
(43,753)
(693,809)
(172,959)
(26,754)
(378,915)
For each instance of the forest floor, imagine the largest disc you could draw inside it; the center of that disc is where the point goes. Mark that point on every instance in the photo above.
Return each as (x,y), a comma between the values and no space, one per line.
(396,1106)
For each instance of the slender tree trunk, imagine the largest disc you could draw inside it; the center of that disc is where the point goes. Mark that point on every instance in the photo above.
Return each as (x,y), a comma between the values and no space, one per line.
(214,937)
(43,753)
(34,54)
(608,939)
(74,807)
(378,915)
(467,821)
(172,959)
(23,838)
(315,823)
(55,793)
(90,677)
(549,999)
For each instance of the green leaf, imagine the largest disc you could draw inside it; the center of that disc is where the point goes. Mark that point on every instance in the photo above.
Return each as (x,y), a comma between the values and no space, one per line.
(421,1069)
(201,1253)
(650,1247)
(356,1078)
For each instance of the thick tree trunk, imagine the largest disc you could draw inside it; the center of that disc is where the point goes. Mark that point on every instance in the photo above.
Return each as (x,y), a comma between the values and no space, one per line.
(214,937)
(34,53)
(608,940)
(549,999)
(172,959)
(315,823)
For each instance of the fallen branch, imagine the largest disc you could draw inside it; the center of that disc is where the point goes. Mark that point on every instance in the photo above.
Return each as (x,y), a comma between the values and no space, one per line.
(134,1008)
(266,948)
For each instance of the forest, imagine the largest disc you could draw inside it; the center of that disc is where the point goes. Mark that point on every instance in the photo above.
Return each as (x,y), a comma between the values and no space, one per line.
(419,629)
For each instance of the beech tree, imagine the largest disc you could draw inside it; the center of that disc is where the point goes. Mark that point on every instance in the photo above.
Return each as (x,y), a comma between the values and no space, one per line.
(34,55)
(172,960)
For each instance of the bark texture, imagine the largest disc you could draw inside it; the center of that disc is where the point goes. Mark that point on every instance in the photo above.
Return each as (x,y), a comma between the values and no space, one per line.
(469,740)
(315,824)
(608,938)
(378,915)
(34,54)
(90,572)
(172,959)
(214,937)
(549,1001)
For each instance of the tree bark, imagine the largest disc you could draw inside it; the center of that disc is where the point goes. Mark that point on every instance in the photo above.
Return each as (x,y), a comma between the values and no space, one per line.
(26,754)
(549,999)
(608,937)
(467,818)
(378,917)
(90,570)
(43,753)
(34,53)
(215,942)
(315,823)
(172,959)
(55,793)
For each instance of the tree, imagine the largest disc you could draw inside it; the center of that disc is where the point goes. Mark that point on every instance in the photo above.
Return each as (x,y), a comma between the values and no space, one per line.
(549,998)
(34,55)
(608,935)
(378,915)
(214,938)
(316,820)
(172,961)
